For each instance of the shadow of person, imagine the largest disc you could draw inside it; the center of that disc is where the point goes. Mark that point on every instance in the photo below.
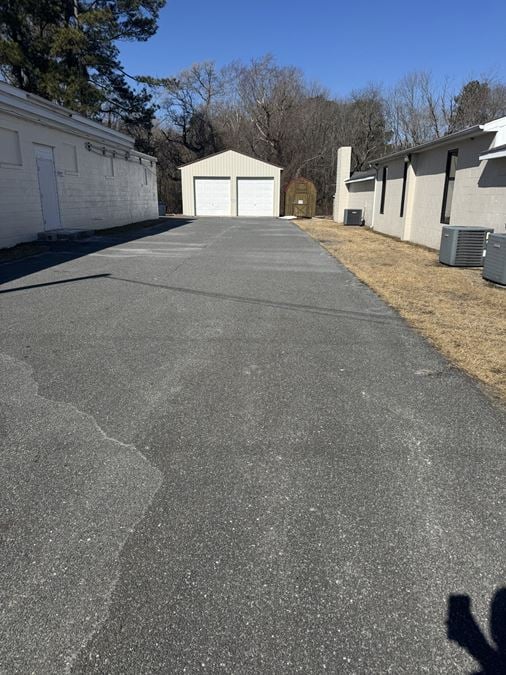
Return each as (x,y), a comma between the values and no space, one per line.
(463,629)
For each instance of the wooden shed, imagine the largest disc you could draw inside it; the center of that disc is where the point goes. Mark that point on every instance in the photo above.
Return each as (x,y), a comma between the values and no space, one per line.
(300,198)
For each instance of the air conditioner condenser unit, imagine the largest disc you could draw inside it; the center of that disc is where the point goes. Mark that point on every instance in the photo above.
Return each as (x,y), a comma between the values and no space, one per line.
(352,216)
(494,268)
(463,246)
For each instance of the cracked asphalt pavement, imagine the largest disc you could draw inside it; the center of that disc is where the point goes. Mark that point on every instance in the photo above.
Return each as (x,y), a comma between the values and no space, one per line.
(221,452)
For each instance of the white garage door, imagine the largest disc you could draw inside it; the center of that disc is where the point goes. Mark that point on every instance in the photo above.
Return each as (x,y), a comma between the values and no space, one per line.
(255,197)
(212,197)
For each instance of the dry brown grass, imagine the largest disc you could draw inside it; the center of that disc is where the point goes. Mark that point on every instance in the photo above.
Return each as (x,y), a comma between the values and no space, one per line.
(459,312)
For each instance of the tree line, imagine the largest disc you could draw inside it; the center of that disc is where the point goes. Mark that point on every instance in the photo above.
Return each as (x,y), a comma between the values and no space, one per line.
(67,51)
(272,112)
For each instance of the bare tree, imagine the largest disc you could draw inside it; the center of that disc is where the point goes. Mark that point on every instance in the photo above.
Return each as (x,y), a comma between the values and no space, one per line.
(186,129)
(366,125)
(417,109)
(269,96)
(273,113)
(186,104)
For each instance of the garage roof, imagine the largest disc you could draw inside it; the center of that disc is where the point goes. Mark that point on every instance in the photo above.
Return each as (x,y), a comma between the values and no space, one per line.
(221,152)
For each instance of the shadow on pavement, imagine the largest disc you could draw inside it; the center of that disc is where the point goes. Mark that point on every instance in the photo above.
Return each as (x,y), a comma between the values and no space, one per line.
(54,253)
(54,283)
(463,629)
(329,311)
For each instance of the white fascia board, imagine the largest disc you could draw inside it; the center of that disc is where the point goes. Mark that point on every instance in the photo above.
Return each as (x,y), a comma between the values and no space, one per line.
(359,180)
(495,125)
(491,154)
(499,127)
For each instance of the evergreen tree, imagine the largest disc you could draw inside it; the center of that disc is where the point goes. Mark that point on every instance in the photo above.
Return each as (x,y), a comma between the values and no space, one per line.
(66,51)
(472,106)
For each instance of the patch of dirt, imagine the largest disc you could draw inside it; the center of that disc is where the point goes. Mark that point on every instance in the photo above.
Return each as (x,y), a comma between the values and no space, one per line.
(456,309)
(22,251)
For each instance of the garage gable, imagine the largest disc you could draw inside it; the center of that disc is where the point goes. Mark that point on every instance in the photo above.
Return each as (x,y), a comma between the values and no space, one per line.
(227,158)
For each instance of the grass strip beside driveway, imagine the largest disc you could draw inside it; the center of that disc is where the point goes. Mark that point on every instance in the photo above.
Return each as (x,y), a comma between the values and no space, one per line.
(459,312)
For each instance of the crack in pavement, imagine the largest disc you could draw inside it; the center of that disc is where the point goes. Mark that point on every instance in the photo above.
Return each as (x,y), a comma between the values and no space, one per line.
(68,503)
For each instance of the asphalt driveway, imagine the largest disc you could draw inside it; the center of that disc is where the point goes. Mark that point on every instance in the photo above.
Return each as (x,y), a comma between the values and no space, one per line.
(221,452)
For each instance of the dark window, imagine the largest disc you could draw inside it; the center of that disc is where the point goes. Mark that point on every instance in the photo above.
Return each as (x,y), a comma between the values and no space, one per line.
(451,170)
(404,181)
(383,189)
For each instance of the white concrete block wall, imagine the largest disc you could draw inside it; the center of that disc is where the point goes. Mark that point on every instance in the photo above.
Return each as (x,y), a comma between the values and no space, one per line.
(480,188)
(20,210)
(90,199)
(479,196)
(390,222)
(430,168)
(361,196)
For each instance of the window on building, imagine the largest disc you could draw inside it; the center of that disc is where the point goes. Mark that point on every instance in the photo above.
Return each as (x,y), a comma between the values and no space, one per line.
(383,188)
(407,162)
(10,149)
(451,170)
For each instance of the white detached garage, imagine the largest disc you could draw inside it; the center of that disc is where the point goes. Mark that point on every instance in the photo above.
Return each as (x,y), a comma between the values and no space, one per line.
(230,184)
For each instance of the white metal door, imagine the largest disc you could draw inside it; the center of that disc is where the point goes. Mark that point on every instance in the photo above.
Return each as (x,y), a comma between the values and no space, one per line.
(255,196)
(48,188)
(212,197)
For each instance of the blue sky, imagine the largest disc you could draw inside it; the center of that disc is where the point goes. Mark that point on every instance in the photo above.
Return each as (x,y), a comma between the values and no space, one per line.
(344,44)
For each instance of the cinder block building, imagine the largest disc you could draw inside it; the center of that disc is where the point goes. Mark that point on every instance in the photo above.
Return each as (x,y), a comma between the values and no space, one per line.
(59,169)
(459,179)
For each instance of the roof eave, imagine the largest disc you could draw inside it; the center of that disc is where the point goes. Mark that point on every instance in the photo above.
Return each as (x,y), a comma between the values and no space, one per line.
(494,153)
(221,152)
(358,180)
(22,103)
(443,140)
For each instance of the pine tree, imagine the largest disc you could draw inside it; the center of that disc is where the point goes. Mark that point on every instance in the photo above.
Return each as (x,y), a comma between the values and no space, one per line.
(66,51)
(472,105)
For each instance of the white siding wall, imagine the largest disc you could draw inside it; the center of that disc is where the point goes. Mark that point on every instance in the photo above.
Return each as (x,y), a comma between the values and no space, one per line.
(361,196)
(92,198)
(227,164)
